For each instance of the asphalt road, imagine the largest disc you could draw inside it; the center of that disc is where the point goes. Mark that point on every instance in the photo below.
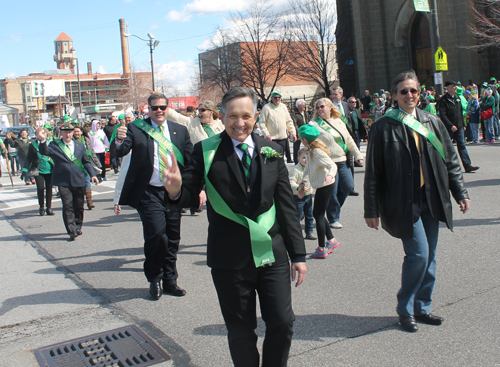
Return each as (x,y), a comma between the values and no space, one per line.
(55,290)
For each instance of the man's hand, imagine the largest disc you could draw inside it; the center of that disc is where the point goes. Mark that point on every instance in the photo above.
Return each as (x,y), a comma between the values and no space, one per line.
(464,205)
(172,179)
(294,138)
(454,128)
(300,193)
(360,162)
(117,209)
(95,180)
(372,222)
(121,133)
(268,137)
(329,179)
(300,269)
(203,198)
(41,135)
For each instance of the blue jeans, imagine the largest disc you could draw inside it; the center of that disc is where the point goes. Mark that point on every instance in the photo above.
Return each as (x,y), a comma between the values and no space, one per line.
(305,205)
(343,185)
(474,127)
(488,127)
(419,266)
(462,149)
(495,123)
(87,181)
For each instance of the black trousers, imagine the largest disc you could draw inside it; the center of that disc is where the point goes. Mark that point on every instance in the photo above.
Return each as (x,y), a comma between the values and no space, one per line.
(72,200)
(161,226)
(102,157)
(321,200)
(237,290)
(44,182)
(296,148)
(286,148)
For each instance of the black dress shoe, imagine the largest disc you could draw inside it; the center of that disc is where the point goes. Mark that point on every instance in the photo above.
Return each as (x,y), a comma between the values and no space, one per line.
(79,232)
(193,212)
(429,319)
(155,290)
(354,193)
(49,211)
(408,323)
(42,211)
(173,290)
(72,236)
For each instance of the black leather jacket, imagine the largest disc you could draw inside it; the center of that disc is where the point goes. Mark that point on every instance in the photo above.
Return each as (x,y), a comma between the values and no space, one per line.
(450,112)
(388,188)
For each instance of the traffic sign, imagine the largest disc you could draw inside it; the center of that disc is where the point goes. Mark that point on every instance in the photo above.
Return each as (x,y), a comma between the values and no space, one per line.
(441,59)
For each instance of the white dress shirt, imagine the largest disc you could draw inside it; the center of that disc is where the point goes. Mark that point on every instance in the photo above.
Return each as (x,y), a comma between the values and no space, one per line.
(248,141)
(156,177)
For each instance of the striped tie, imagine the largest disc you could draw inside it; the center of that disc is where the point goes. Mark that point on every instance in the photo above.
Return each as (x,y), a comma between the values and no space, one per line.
(246,160)
(162,152)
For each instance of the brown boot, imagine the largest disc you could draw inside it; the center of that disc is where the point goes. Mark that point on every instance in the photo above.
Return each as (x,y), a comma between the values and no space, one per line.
(88,193)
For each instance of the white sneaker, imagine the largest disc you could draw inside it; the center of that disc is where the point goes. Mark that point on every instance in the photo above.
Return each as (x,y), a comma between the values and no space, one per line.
(336,225)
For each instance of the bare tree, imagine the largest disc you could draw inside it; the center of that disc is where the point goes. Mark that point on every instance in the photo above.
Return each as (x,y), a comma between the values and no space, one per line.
(138,89)
(264,47)
(313,48)
(486,26)
(220,66)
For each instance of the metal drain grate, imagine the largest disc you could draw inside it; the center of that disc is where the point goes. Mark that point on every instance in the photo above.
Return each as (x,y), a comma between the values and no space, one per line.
(124,347)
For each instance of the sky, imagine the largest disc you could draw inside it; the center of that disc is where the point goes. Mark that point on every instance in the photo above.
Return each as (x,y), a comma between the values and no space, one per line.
(183,27)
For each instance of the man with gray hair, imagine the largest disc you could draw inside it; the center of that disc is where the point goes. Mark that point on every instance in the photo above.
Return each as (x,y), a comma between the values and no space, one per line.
(300,118)
(336,97)
(253,229)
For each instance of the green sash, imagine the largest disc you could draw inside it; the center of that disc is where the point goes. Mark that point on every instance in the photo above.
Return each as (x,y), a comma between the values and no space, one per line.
(415,125)
(101,139)
(159,138)
(114,133)
(70,155)
(262,246)
(208,129)
(40,155)
(333,132)
(344,119)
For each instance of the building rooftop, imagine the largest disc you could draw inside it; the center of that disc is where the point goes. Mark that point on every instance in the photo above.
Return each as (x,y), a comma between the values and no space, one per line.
(63,37)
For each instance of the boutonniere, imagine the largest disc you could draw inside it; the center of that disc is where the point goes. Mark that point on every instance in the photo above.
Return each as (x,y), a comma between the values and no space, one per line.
(269,152)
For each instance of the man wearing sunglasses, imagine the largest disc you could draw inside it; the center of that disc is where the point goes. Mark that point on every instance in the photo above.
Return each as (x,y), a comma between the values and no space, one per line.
(275,121)
(411,167)
(451,113)
(143,190)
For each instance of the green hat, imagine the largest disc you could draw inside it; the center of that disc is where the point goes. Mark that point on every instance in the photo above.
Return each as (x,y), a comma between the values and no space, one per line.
(458,83)
(48,127)
(67,127)
(309,132)
(430,98)
(492,78)
(66,118)
(121,117)
(485,84)
(375,94)
(276,93)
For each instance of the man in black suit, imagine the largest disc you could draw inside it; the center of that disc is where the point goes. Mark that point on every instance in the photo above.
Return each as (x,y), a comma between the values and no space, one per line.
(71,165)
(336,97)
(247,181)
(143,190)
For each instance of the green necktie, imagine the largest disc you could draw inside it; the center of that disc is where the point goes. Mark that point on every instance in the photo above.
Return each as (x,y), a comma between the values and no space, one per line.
(162,152)
(246,160)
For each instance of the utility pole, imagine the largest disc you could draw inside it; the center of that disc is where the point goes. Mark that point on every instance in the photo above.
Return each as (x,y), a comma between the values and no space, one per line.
(435,41)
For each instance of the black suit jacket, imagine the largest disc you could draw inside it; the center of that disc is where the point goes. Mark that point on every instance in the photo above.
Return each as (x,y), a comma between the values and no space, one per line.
(450,112)
(229,244)
(361,126)
(142,161)
(65,172)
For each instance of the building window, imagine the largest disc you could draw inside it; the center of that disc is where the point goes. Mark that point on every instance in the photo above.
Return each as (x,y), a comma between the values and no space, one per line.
(107,82)
(108,92)
(90,83)
(114,92)
(28,86)
(28,99)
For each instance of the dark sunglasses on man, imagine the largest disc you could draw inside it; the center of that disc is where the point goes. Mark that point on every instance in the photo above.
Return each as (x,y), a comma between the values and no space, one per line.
(155,108)
(404,92)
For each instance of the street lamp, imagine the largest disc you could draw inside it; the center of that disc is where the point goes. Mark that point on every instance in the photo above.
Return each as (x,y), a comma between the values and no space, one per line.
(78,77)
(152,45)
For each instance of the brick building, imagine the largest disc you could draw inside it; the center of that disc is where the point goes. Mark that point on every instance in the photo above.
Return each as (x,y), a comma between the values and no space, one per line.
(384,38)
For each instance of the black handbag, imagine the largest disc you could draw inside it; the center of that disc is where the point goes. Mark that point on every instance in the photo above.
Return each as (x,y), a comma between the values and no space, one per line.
(32,172)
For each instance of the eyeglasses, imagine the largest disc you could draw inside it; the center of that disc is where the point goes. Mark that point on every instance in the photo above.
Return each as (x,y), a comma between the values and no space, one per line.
(404,92)
(352,101)
(155,108)
(201,110)
(276,97)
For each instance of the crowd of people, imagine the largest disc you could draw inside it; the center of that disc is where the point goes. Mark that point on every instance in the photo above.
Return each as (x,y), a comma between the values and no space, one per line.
(234,156)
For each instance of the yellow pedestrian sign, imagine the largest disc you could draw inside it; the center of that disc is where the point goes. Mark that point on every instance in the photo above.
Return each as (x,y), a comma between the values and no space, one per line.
(441,60)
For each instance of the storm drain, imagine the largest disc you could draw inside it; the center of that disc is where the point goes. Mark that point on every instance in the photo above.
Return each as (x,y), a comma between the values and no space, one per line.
(123,347)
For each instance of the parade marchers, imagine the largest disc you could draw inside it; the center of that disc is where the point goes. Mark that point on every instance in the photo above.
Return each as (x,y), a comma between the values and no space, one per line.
(253,216)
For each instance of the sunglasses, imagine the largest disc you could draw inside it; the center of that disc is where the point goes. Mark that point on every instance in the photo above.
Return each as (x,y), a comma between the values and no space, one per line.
(352,101)
(201,110)
(404,92)
(276,97)
(155,108)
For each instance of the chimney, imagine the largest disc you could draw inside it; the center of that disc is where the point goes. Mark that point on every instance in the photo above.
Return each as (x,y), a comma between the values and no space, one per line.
(126,66)
(89,68)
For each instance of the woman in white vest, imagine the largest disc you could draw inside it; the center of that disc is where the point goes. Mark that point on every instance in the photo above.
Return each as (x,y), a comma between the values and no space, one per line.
(100,143)
(202,127)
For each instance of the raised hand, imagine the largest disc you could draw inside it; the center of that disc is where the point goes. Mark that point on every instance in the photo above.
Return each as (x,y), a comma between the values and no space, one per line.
(121,133)
(172,179)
